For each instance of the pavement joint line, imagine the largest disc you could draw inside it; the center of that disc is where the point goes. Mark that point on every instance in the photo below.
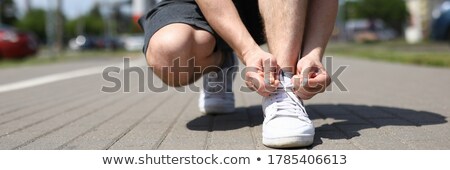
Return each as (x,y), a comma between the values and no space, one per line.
(353,112)
(50,117)
(172,124)
(62,126)
(98,125)
(339,129)
(136,123)
(250,121)
(32,124)
(366,119)
(70,122)
(50,107)
(52,130)
(398,117)
(77,95)
(34,102)
(61,76)
(208,139)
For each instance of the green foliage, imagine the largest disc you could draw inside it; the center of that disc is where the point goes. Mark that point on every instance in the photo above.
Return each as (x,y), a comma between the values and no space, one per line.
(351,10)
(34,21)
(90,24)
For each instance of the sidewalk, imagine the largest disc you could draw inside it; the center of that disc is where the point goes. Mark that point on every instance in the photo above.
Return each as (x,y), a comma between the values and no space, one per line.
(387,106)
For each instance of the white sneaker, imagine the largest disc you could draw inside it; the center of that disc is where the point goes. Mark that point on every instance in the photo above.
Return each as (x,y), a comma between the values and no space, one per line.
(286,123)
(217,95)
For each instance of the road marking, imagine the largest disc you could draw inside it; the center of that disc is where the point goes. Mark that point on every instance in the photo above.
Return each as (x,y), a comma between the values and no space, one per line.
(62,76)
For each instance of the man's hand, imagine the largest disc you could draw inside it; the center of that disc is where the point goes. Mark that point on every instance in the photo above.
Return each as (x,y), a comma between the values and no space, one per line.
(262,71)
(311,78)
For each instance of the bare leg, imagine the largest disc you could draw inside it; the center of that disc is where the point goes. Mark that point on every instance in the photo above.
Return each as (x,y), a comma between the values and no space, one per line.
(320,23)
(319,26)
(173,46)
(284,26)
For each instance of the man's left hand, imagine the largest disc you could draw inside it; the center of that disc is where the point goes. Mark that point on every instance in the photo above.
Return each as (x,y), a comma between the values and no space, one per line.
(311,78)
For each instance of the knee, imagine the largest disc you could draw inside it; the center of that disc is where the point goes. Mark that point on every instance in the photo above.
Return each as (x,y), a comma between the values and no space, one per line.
(178,41)
(173,46)
(164,48)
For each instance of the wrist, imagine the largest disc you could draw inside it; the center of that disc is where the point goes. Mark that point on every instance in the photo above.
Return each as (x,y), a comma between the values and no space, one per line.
(315,54)
(246,53)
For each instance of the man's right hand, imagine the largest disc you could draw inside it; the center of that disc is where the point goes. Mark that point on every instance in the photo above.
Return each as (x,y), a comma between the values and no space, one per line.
(261,71)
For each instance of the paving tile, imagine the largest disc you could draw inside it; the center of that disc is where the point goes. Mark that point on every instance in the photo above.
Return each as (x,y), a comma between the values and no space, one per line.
(153,129)
(112,131)
(27,120)
(61,137)
(192,128)
(30,134)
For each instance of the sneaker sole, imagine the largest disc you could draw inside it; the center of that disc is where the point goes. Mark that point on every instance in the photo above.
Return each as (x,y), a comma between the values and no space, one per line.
(289,142)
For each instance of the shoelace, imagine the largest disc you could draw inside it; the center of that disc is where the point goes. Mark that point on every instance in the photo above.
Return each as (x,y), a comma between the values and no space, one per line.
(287,103)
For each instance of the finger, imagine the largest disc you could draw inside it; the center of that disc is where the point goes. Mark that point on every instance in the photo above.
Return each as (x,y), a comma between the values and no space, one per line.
(305,93)
(300,81)
(274,70)
(270,88)
(306,71)
(304,96)
(311,90)
(250,85)
(321,81)
(258,83)
(270,69)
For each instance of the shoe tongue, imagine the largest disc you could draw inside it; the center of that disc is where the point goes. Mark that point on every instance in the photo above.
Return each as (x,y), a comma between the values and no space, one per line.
(285,78)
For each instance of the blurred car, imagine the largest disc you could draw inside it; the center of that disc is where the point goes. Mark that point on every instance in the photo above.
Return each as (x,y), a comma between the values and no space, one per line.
(16,44)
(133,42)
(83,42)
(364,30)
(441,22)
(108,43)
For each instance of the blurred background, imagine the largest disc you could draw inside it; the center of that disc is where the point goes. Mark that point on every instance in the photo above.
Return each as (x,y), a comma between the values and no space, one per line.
(408,31)
(52,29)
(404,31)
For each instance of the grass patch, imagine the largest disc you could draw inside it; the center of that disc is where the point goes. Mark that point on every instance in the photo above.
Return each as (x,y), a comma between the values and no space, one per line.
(45,58)
(429,54)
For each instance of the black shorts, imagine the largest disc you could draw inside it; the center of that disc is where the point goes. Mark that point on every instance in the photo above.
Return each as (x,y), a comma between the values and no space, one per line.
(187,11)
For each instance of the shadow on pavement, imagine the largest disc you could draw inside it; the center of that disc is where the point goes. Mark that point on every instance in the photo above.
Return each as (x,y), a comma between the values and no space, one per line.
(346,119)
(242,117)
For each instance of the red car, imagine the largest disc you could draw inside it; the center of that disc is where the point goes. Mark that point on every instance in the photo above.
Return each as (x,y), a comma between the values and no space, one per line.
(16,44)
